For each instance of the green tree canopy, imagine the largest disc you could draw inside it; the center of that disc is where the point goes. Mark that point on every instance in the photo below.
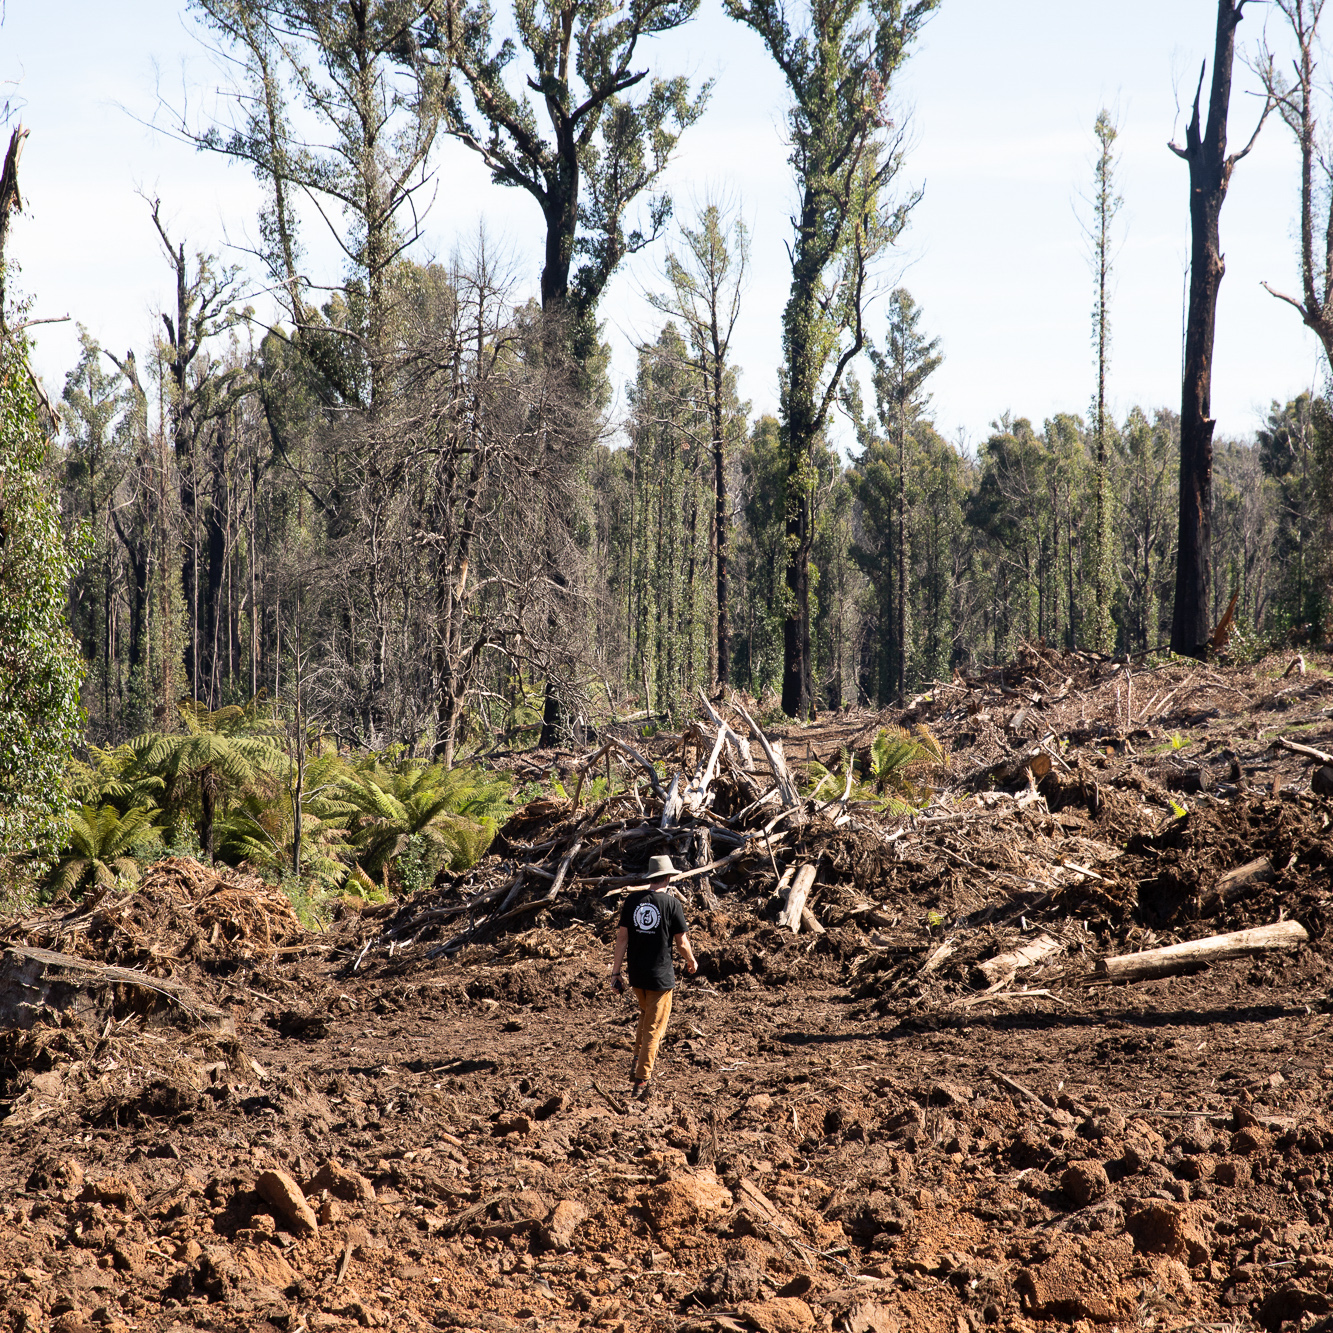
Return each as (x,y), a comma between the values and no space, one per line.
(40,666)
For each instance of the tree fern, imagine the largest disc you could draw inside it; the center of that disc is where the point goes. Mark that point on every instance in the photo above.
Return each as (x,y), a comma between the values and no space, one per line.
(454,811)
(260,828)
(102,848)
(218,758)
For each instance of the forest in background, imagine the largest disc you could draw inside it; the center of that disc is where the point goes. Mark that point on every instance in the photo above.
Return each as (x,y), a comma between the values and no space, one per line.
(400,520)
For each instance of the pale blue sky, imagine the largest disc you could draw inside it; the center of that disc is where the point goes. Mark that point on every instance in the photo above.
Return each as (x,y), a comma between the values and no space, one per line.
(1003,101)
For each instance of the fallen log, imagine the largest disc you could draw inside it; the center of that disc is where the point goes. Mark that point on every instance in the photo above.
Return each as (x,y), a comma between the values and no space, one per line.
(796,896)
(1005,965)
(1174,958)
(1307,750)
(40,985)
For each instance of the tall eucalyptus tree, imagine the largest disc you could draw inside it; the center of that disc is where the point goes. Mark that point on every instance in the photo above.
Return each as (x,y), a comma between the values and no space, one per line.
(601,147)
(846,151)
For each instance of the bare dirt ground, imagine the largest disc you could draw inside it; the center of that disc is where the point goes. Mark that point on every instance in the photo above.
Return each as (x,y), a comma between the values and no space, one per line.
(421,1120)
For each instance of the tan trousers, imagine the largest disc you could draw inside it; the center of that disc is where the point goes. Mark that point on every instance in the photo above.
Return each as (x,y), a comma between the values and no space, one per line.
(654,1010)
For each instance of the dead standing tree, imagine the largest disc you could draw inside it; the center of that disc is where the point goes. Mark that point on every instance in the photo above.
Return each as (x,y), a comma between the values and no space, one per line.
(1296,102)
(458,493)
(1210,167)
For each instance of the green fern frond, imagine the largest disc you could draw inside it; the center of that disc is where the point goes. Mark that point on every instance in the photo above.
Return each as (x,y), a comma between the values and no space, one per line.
(102,848)
(927,743)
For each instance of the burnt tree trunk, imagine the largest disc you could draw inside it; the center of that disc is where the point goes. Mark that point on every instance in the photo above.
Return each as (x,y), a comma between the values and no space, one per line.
(215,544)
(721,518)
(1210,168)
(900,560)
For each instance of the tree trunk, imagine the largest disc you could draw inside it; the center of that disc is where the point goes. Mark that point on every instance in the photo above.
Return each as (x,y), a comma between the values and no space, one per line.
(1174,958)
(721,520)
(215,548)
(1210,170)
(562,215)
(207,806)
(796,674)
(900,627)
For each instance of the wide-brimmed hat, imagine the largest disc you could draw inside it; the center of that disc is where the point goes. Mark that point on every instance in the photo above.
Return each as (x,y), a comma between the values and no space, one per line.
(659,867)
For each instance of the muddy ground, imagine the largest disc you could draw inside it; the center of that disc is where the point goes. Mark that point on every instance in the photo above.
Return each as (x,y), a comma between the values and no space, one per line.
(847,1130)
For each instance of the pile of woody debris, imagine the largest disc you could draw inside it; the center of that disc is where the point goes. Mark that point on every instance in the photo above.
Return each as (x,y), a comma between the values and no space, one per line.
(1061,834)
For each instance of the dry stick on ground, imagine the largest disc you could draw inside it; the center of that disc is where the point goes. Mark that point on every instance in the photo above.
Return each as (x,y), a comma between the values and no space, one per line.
(1176,958)
(1015,1086)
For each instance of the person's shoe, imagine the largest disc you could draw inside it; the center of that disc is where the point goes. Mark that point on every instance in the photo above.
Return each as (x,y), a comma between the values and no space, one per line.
(640,1092)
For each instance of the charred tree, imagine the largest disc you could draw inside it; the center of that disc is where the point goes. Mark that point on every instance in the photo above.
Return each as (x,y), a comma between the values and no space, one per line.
(1210,168)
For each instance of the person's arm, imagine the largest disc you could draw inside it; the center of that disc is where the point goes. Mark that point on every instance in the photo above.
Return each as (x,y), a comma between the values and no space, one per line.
(682,942)
(622,943)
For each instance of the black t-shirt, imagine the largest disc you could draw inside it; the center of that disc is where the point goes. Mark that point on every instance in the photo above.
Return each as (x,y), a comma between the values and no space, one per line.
(653,920)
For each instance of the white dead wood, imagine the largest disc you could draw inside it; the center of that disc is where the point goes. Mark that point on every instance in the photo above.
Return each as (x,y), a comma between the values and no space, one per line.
(796,896)
(937,956)
(1005,965)
(776,761)
(671,805)
(1174,958)
(696,794)
(738,743)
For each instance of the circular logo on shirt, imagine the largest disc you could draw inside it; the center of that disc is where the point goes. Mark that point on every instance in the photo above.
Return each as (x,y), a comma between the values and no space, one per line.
(647,917)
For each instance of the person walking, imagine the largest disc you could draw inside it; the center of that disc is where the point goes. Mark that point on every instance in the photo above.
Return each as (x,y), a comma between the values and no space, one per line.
(651,921)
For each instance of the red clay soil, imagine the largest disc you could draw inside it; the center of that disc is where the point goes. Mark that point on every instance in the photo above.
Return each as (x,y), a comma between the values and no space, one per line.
(847,1131)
